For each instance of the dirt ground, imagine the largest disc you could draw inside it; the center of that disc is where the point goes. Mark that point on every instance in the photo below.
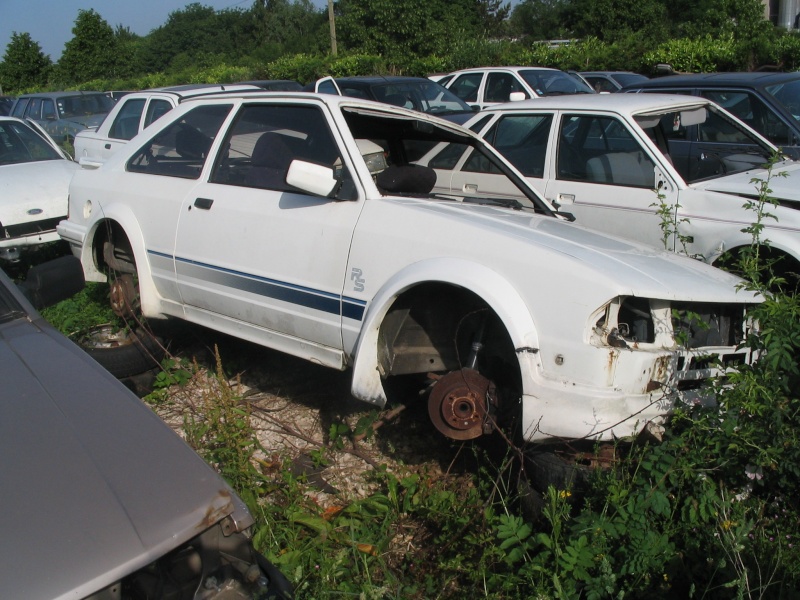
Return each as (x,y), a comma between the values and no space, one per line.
(294,403)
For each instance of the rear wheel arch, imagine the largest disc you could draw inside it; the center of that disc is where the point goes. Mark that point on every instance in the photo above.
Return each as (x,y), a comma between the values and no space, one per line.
(787,264)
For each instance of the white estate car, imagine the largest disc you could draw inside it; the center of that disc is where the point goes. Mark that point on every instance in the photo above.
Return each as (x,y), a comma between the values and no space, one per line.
(482,87)
(135,111)
(301,222)
(34,182)
(602,158)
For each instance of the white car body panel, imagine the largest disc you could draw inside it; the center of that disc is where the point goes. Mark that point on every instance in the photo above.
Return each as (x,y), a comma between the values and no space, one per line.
(316,277)
(709,212)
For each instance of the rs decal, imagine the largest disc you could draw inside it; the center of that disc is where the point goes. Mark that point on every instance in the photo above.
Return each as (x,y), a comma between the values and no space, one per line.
(358,281)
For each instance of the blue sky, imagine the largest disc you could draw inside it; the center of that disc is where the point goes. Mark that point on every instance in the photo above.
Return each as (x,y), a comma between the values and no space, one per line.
(50,22)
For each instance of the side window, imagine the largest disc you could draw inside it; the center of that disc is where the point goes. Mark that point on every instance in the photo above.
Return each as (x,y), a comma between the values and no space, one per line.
(49,109)
(499,87)
(35,109)
(181,149)
(266,138)
(753,111)
(523,140)
(601,84)
(156,109)
(19,109)
(126,125)
(327,87)
(599,149)
(466,86)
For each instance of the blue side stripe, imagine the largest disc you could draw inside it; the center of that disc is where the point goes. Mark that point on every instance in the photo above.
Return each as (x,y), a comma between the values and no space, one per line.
(351,308)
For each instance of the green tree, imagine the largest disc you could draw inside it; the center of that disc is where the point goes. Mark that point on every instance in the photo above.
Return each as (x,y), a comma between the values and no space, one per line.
(92,53)
(539,19)
(284,27)
(24,64)
(402,30)
(197,36)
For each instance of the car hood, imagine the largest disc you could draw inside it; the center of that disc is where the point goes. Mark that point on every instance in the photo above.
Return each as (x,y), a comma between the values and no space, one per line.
(95,485)
(86,120)
(784,187)
(597,263)
(35,190)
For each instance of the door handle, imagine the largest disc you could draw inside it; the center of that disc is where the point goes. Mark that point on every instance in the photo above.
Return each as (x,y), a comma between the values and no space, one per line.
(108,146)
(203,203)
(566,198)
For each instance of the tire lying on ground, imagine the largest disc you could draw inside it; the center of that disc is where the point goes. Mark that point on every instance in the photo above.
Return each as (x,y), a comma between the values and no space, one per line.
(122,352)
(546,469)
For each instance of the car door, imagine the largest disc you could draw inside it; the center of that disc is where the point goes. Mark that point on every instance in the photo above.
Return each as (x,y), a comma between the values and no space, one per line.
(605,176)
(257,255)
(523,138)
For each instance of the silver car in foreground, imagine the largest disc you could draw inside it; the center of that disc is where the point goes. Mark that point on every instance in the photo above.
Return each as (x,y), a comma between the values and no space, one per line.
(101,499)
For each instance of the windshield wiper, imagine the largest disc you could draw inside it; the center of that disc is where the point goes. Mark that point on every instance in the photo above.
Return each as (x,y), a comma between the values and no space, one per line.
(504,202)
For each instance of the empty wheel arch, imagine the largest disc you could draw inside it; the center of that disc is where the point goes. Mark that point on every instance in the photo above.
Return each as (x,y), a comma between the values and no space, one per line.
(453,338)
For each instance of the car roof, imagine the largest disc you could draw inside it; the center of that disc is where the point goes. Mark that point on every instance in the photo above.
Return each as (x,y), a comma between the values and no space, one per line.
(370,79)
(619,103)
(61,94)
(750,79)
(509,69)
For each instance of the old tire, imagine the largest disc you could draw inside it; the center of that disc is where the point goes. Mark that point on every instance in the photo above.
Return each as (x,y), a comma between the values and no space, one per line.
(545,469)
(121,352)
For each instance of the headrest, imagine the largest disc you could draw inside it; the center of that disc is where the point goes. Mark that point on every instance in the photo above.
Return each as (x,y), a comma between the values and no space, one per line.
(406,179)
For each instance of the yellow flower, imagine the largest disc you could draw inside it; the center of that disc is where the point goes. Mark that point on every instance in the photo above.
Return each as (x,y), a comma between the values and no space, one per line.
(564,494)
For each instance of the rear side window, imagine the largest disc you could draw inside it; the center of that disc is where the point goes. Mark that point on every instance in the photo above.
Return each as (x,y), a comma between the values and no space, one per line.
(19,109)
(156,109)
(181,149)
(466,86)
(753,111)
(126,125)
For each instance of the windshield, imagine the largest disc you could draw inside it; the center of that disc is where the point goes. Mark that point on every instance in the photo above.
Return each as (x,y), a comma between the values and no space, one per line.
(21,144)
(703,142)
(788,94)
(83,104)
(424,96)
(554,83)
(420,160)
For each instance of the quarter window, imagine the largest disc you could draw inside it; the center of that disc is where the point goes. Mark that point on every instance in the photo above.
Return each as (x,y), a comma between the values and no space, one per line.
(126,125)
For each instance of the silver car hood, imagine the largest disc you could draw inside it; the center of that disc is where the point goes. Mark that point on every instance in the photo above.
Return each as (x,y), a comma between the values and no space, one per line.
(786,187)
(94,484)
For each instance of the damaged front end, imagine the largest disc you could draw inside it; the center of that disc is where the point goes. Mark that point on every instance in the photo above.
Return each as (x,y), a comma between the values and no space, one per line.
(689,344)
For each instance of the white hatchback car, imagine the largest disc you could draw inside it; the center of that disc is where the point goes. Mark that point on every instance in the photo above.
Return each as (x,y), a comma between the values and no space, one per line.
(617,161)
(486,86)
(34,181)
(135,111)
(302,222)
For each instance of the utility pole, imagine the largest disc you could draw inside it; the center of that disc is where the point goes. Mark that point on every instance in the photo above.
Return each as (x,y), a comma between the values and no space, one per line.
(333,27)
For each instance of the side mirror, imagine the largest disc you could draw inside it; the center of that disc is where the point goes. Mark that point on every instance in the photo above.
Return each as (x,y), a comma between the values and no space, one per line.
(312,179)
(516,96)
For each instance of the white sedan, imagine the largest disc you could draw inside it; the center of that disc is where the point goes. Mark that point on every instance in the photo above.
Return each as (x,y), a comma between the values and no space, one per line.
(135,111)
(666,170)
(304,223)
(34,181)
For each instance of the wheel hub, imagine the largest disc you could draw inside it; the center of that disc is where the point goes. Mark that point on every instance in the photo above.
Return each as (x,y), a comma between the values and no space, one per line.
(124,299)
(458,404)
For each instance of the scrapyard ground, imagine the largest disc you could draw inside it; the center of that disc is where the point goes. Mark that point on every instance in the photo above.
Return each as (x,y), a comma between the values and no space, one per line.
(294,404)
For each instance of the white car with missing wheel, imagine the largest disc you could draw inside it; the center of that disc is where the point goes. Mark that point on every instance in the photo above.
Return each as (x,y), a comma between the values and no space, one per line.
(665,170)
(304,222)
